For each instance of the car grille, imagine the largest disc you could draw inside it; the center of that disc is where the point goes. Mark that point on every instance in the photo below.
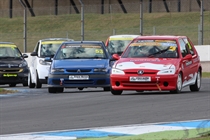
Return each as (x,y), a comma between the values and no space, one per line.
(78,70)
(10,70)
(135,71)
(81,82)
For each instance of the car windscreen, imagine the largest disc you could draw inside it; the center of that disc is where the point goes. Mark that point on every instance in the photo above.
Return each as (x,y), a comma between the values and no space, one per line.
(81,51)
(49,48)
(9,52)
(151,48)
(117,46)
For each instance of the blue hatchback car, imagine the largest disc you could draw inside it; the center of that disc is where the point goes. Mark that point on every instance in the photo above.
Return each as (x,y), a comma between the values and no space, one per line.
(80,64)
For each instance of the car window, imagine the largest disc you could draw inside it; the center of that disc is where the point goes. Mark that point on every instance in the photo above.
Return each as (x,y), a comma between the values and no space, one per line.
(117,46)
(183,48)
(81,51)
(49,48)
(152,48)
(9,51)
(189,46)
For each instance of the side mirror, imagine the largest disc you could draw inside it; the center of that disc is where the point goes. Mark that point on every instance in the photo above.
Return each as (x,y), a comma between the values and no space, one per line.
(188,57)
(34,54)
(25,56)
(115,56)
(48,59)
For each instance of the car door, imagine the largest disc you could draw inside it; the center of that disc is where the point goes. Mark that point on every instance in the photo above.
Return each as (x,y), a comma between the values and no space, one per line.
(195,58)
(186,63)
(34,62)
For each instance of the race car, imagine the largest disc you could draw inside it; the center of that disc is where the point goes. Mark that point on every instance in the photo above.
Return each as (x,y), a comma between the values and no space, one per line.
(79,64)
(157,63)
(118,43)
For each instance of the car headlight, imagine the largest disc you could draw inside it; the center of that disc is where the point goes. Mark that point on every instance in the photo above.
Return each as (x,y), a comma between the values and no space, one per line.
(117,71)
(56,70)
(166,72)
(100,70)
(23,64)
(42,62)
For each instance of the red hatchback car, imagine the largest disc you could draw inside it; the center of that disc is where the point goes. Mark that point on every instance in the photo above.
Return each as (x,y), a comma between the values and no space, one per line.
(163,63)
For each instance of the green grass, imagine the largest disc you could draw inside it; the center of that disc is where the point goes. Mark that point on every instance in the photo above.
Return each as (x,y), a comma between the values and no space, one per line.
(206,74)
(187,134)
(100,26)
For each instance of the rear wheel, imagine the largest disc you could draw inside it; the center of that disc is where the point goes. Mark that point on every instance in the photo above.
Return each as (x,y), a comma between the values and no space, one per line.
(52,90)
(38,83)
(116,92)
(197,85)
(12,85)
(178,84)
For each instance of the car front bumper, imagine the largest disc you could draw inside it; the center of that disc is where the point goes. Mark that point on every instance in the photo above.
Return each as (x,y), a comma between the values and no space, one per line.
(158,82)
(14,77)
(93,81)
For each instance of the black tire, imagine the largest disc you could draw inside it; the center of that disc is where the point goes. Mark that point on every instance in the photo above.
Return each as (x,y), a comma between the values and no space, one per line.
(30,84)
(116,92)
(12,85)
(60,90)
(178,84)
(197,85)
(38,84)
(107,89)
(25,84)
(52,90)
(139,91)
(80,88)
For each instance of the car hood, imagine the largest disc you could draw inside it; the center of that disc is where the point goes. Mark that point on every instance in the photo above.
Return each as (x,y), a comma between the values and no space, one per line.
(80,63)
(11,63)
(146,63)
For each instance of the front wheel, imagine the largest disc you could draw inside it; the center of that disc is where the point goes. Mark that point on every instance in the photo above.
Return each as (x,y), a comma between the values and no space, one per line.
(197,85)
(116,92)
(38,83)
(12,85)
(178,84)
(60,90)
(30,84)
(25,84)
(106,88)
(52,90)
(80,88)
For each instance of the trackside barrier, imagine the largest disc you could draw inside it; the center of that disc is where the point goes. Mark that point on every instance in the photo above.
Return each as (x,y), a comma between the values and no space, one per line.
(203,51)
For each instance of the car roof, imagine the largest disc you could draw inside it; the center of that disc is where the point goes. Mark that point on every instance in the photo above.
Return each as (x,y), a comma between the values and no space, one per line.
(7,43)
(159,37)
(123,36)
(83,42)
(53,39)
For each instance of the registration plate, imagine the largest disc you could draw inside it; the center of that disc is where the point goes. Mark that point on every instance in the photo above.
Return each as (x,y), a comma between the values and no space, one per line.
(9,75)
(140,79)
(78,77)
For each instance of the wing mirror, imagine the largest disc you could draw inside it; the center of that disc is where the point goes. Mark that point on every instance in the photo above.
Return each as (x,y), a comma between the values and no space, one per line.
(34,54)
(25,55)
(116,56)
(48,59)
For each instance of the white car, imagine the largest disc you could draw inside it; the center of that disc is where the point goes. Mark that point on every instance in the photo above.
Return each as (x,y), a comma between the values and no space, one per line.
(39,69)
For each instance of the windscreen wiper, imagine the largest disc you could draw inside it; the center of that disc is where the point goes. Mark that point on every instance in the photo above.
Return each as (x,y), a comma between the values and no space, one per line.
(159,52)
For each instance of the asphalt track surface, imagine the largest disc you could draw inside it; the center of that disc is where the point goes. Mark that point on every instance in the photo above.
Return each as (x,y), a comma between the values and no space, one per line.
(35,110)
